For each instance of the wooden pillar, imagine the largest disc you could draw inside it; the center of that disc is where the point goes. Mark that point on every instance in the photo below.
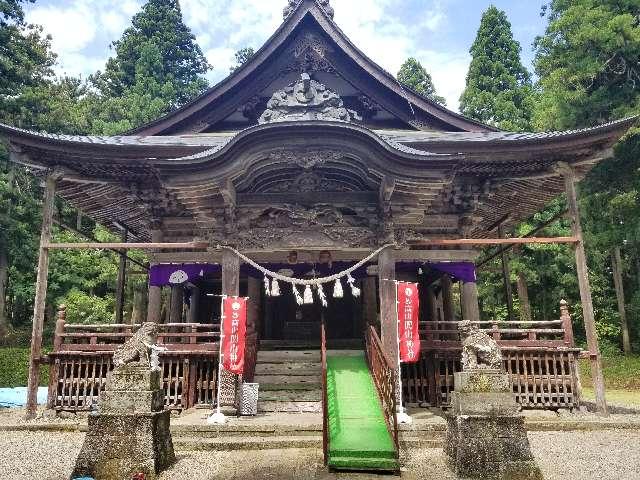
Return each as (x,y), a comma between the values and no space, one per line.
(585,290)
(448,307)
(231,287)
(388,318)
(506,276)
(154,308)
(122,281)
(616,263)
(253,314)
(470,305)
(194,304)
(370,301)
(41,295)
(177,303)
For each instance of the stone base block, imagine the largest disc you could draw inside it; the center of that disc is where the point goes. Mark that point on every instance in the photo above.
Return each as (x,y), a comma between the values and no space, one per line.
(129,402)
(134,378)
(118,446)
(482,380)
(490,447)
(491,403)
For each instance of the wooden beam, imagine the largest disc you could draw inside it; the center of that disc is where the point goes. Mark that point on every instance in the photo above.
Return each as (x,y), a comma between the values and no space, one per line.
(493,241)
(554,219)
(585,290)
(127,246)
(41,295)
(92,239)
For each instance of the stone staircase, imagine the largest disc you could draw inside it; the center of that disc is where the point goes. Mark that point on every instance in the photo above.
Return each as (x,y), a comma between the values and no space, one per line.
(290,381)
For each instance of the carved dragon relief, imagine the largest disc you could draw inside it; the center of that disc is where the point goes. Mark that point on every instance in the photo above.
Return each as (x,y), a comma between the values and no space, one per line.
(308,182)
(290,226)
(306,158)
(309,54)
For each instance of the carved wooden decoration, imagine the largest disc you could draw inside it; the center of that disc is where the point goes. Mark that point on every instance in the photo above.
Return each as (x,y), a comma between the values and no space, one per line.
(306,99)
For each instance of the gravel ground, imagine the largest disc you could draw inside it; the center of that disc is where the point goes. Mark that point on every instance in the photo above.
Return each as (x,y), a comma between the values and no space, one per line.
(608,455)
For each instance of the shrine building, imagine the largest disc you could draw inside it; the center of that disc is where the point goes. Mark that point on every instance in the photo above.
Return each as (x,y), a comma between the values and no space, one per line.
(306,160)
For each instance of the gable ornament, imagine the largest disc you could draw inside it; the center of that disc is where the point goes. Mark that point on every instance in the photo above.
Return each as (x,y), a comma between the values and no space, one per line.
(306,99)
(293,4)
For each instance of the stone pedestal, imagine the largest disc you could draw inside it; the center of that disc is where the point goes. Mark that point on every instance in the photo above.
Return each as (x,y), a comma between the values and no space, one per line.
(486,436)
(131,433)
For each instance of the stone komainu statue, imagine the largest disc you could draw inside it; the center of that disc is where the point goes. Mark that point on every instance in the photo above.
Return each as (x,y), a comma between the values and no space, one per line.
(137,350)
(479,350)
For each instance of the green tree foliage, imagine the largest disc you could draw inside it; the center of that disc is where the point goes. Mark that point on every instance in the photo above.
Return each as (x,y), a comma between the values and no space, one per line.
(242,56)
(167,49)
(25,55)
(414,75)
(499,90)
(588,61)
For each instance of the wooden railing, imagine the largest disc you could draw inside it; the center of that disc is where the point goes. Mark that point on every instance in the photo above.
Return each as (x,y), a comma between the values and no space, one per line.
(325,405)
(539,356)
(82,358)
(385,379)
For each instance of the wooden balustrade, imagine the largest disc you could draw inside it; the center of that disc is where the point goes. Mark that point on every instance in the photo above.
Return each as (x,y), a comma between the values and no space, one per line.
(82,357)
(385,379)
(539,356)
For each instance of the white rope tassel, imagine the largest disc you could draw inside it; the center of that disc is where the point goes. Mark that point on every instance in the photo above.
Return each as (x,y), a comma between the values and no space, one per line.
(322,296)
(308,295)
(355,291)
(275,288)
(267,286)
(338,292)
(296,293)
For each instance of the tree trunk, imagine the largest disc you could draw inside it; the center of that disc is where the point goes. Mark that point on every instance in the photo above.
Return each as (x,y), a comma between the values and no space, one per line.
(4,275)
(616,263)
(523,296)
(138,313)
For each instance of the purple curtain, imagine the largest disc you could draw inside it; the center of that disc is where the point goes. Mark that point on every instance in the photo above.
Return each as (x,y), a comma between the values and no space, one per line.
(464,271)
(179,274)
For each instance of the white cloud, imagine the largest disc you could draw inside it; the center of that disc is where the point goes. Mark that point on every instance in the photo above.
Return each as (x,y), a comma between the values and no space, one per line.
(83,29)
(449,71)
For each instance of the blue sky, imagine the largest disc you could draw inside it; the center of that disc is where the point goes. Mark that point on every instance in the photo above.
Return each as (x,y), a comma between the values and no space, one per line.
(437,32)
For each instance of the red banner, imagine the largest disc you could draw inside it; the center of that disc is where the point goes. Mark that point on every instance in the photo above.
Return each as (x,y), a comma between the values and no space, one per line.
(234,334)
(408,323)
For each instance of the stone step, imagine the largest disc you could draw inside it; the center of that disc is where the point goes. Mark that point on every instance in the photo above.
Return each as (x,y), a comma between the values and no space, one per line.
(418,442)
(291,396)
(246,443)
(274,387)
(288,379)
(293,368)
(288,356)
(289,407)
(261,431)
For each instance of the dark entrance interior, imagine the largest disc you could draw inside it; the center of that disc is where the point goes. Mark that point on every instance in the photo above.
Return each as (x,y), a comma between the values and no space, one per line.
(285,320)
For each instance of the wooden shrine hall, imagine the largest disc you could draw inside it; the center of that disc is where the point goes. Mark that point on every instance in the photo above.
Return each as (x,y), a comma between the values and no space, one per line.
(306,160)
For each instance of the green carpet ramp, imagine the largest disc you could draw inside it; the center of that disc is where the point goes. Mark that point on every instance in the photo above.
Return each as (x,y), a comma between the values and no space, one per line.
(358,435)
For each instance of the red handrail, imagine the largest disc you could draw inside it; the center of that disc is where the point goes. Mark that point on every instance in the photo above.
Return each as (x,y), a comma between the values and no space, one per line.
(385,379)
(325,407)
